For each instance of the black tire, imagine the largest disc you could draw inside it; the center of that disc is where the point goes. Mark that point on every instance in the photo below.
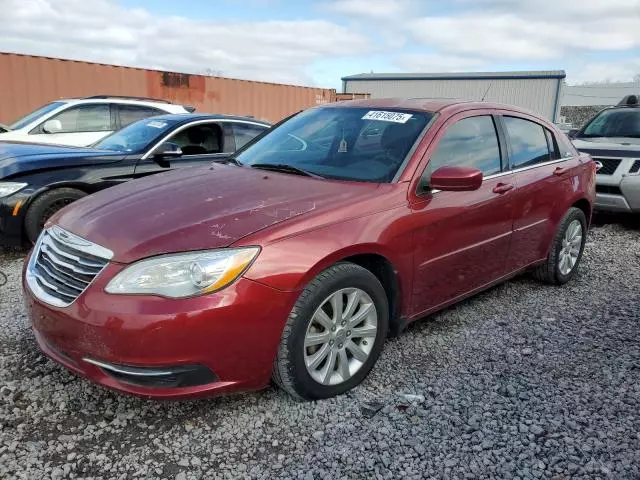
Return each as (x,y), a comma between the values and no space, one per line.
(549,272)
(45,205)
(289,369)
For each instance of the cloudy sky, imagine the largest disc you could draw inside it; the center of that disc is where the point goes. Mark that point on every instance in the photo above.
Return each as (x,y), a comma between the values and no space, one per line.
(317,42)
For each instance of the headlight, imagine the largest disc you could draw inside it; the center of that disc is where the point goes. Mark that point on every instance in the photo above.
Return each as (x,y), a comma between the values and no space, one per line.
(8,188)
(184,274)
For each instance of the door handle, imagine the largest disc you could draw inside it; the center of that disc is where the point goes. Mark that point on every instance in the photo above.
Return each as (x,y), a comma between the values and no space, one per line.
(502,188)
(560,171)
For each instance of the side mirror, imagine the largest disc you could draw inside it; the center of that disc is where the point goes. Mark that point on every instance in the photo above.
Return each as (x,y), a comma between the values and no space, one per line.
(52,126)
(573,132)
(456,179)
(167,150)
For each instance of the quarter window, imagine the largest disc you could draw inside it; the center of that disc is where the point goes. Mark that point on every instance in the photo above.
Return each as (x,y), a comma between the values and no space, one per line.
(470,142)
(85,118)
(528,142)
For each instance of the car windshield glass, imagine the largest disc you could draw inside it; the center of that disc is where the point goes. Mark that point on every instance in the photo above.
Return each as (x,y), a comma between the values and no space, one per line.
(360,144)
(621,122)
(137,137)
(35,115)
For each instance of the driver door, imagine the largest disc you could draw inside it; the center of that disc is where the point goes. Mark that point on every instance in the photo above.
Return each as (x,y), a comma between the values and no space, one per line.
(462,238)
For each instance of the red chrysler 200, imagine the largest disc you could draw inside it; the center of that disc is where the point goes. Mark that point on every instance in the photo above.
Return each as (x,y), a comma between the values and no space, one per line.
(294,259)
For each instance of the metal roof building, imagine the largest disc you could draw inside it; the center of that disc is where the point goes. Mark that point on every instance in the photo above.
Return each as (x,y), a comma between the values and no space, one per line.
(539,91)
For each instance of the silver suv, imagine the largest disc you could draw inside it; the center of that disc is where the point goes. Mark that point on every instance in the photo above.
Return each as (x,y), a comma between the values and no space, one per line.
(612,138)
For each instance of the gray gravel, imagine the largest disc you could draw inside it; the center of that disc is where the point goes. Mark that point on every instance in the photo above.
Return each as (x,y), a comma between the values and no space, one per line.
(524,381)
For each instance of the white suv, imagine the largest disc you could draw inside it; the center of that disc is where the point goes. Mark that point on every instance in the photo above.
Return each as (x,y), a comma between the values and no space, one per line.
(84,121)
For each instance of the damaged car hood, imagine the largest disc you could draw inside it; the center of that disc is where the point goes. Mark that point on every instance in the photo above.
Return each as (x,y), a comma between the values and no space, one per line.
(197,208)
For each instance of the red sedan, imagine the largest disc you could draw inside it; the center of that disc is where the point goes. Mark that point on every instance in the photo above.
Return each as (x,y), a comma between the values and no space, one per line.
(296,258)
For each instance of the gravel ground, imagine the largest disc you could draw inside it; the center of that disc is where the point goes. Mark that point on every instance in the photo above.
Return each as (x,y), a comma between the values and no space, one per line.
(524,381)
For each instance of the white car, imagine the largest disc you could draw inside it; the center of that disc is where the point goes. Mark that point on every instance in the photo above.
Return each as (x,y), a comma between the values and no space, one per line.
(84,121)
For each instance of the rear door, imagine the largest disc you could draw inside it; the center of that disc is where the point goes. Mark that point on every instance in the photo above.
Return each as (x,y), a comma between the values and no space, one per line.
(126,114)
(543,171)
(462,239)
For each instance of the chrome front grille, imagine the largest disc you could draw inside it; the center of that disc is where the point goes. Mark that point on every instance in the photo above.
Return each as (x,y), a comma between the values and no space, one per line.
(63,265)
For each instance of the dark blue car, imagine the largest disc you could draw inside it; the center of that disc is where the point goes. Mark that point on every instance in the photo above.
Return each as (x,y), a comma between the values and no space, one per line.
(37,180)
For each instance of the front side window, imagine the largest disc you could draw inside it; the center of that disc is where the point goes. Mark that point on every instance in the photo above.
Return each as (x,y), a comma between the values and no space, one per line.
(132,113)
(35,115)
(616,122)
(245,132)
(137,137)
(199,139)
(85,118)
(346,143)
(470,142)
(528,142)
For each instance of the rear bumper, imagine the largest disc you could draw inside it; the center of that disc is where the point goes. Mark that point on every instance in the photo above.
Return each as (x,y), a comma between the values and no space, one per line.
(627,201)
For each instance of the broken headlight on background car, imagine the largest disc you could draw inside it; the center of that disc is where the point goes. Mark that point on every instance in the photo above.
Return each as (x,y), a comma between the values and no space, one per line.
(183,274)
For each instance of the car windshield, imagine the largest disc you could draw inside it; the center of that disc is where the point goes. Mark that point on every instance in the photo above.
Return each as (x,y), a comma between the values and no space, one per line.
(137,137)
(359,144)
(620,122)
(35,115)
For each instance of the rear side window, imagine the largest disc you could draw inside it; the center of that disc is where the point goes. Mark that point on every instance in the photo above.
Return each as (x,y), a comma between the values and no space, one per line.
(85,118)
(132,113)
(528,142)
(244,132)
(470,142)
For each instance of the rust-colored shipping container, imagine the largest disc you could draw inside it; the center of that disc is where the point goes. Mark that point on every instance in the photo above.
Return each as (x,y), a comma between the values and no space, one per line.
(28,82)
(341,97)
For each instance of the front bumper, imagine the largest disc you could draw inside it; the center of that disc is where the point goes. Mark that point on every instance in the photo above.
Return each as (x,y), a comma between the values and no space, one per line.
(626,197)
(232,334)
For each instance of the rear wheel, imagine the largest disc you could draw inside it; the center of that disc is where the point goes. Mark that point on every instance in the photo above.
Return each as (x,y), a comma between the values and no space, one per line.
(566,250)
(45,205)
(334,333)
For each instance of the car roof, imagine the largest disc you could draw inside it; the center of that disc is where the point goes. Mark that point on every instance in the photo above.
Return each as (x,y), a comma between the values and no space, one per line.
(431,105)
(191,117)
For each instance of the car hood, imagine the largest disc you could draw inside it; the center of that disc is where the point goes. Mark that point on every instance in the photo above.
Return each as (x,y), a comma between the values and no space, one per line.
(21,157)
(620,146)
(198,208)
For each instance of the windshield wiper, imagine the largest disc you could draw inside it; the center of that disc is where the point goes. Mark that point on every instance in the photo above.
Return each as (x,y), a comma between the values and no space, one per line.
(283,167)
(227,160)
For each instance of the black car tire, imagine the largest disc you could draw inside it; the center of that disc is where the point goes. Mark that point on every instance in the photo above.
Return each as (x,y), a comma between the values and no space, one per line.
(44,206)
(289,370)
(549,271)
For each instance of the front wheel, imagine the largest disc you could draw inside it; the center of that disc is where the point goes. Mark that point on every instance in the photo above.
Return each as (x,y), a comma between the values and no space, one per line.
(566,249)
(334,333)
(45,205)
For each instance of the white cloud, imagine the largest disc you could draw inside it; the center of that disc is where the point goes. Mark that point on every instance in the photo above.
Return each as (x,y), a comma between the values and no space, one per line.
(369,8)
(103,31)
(622,70)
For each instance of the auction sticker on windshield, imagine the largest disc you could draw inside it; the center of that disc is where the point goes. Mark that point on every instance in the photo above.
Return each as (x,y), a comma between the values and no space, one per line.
(387,116)
(156,124)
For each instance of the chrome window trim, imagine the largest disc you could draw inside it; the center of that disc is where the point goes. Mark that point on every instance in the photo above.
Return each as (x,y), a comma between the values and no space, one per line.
(200,122)
(76,243)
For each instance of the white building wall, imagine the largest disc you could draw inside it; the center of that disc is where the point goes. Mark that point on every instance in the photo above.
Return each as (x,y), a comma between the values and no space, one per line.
(601,94)
(537,95)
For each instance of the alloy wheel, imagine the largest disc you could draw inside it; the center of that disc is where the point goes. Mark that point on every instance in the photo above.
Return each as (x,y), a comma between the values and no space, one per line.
(570,251)
(340,336)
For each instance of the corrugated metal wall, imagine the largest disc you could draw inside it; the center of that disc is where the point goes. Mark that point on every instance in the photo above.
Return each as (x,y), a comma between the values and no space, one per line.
(28,82)
(538,95)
